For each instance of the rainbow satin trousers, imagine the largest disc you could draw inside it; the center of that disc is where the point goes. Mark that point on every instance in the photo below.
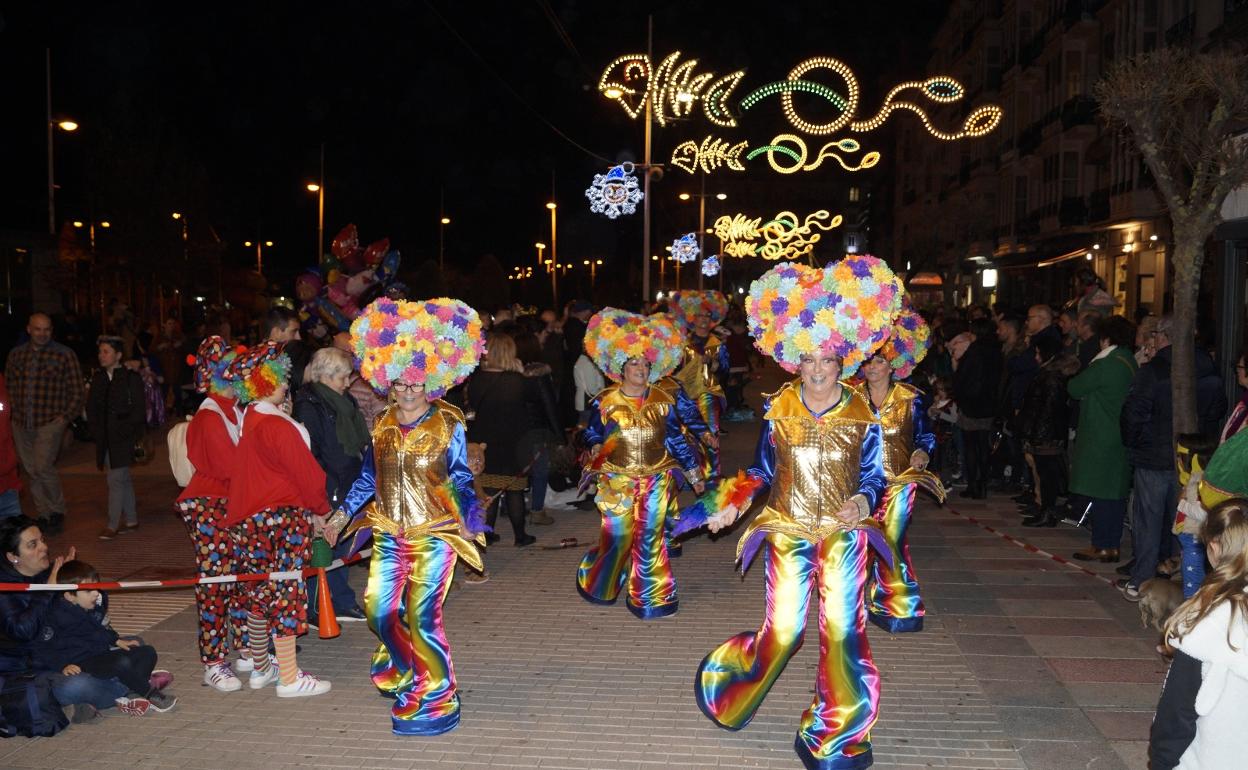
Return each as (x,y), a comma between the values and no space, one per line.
(631,548)
(734,679)
(893,597)
(407,583)
(710,407)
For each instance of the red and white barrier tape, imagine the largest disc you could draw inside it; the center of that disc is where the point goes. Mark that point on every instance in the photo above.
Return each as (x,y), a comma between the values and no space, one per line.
(1029,547)
(184,582)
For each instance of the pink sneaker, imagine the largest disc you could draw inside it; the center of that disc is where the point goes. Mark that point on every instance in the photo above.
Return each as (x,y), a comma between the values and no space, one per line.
(159,680)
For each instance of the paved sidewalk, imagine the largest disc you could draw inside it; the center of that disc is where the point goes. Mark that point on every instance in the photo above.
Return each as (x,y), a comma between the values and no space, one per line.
(1024,663)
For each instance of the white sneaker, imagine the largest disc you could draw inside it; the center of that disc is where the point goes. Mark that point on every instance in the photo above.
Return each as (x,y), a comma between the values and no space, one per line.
(259,680)
(220,678)
(244,665)
(305,684)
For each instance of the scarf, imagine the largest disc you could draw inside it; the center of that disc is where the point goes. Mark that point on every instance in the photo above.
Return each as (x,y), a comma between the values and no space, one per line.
(349,421)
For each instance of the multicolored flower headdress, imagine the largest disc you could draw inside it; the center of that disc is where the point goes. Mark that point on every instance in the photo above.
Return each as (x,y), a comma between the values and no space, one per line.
(257,373)
(688,305)
(615,336)
(435,343)
(211,362)
(908,341)
(846,309)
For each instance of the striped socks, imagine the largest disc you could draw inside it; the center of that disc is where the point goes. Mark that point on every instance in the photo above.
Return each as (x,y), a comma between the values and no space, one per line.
(287,671)
(258,641)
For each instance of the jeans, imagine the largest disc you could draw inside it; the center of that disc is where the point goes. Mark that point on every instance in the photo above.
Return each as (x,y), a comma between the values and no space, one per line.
(539,477)
(84,688)
(1193,552)
(341,594)
(37,448)
(1107,521)
(10,504)
(1152,519)
(120,496)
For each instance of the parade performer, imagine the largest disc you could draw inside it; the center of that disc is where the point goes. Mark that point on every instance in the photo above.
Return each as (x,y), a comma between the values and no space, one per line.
(821,454)
(211,438)
(705,360)
(893,593)
(277,499)
(637,446)
(424,513)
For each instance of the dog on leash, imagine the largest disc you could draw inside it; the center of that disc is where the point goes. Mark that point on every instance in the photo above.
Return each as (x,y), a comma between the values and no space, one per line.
(1158,599)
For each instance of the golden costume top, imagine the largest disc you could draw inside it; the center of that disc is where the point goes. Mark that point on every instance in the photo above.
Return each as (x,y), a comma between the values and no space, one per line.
(418,480)
(815,463)
(641,436)
(904,423)
(696,373)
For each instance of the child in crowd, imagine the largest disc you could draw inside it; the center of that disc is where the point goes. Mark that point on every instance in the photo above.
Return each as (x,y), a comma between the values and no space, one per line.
(1193,452)
(944,416)
(77,639)
(1199,720)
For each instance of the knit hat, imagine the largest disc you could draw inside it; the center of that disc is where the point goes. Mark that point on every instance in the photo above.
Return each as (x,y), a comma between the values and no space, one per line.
(435,343)
(1227,473)
(211,362)
(613,337)
(845,309)
(688,305)
(257,373)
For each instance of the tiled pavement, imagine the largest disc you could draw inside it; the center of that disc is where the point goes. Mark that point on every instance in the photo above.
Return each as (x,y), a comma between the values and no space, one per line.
(1024,663)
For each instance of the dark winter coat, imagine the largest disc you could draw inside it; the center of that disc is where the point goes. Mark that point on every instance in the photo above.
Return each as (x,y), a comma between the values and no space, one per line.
(21,617)
(1044,416)
(71,634)
(1147,419)
(502,403)
(975,380)
(341,469)
(116,415)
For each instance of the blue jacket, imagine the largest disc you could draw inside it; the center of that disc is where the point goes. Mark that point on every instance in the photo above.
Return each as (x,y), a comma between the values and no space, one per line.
(22,616)
(1147,419)
(71,634)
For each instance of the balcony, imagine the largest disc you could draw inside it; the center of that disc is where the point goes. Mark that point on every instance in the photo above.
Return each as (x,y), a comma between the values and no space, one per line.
(1078,111)
(1098,205)
(1072,211)
(1180,33)
(1029,138)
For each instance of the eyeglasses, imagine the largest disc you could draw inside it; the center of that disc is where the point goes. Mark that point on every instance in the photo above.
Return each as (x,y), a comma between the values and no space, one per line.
(403,387)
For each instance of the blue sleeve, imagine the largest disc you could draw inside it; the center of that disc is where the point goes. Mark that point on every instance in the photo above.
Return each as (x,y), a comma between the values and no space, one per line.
(924,438)
(871,472)
(723,359)
(677,446)
(23,613)
(687,409)
(764,466)
(595,432)
(457,463)
(364,487)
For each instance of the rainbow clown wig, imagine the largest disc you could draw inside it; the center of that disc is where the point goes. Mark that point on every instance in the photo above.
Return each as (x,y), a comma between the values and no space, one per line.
(435,343)
(615,336)
(845,309)
(211,362)
(688,305)
(258,373)
(909,340)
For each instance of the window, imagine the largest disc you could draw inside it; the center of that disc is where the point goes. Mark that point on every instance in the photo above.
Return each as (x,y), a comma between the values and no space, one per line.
(854,195)
(1020,198)
(1070,174)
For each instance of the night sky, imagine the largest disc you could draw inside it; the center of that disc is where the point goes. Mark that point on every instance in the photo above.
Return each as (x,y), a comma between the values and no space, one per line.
(219,110)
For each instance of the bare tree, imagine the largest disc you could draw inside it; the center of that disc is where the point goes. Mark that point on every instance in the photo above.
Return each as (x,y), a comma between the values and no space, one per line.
(1184,113)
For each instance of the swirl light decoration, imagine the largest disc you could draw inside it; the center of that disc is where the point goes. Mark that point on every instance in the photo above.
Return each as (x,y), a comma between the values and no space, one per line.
(685,248)
(783,237)
(798,155)
(614,192)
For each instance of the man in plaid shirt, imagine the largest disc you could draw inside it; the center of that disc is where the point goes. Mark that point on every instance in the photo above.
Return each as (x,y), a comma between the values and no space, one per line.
(45,385)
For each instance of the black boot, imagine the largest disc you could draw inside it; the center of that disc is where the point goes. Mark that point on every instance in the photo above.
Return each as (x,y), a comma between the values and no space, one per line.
(1047,517)
(515,512)
(491,519)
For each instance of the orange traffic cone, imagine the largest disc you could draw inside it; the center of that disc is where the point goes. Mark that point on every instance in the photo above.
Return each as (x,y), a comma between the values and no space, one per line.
(328,627)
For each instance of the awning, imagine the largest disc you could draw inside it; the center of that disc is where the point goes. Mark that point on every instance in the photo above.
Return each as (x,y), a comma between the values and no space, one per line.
(926,279)
(1076,254)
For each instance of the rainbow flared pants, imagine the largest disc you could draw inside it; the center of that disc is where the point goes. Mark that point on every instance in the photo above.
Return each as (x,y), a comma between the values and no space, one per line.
(632,548)
(893,600)
(732,681)
(407,583)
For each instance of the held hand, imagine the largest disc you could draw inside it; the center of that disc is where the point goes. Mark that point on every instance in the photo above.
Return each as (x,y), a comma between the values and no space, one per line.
(330,536)
(593,450)
(699,487)
(711,440)
(127,644)
(849,514)
(71,670)
(318,525)
(919,462)
(723,519)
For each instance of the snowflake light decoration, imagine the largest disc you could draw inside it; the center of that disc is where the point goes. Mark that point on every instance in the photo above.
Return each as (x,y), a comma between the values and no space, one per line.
(685,248)
(710,266)
(614,192)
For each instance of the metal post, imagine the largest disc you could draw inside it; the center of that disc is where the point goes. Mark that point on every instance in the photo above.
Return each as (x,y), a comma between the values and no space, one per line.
(645,203)
(554,258)
(1231,331)
(701,229)
(320,212)
(51,182)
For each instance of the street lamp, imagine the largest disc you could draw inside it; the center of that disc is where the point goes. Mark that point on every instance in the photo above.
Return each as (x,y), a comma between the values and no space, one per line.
(593,271)
(701,196)
(64,125)
(442,223)
(539,246)
(554,257)
(317,187)
(259,255)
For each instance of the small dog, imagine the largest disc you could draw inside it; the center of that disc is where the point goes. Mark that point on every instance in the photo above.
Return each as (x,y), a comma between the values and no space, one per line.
(476,464)
(1158,599)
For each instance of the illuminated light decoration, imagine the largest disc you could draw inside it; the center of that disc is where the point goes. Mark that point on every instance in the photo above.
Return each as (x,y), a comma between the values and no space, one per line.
(847,103)
(710,155)
(942,90)
(710,266)
(782,237)
(614,192)
(685,248)
(673,87)
(799,155)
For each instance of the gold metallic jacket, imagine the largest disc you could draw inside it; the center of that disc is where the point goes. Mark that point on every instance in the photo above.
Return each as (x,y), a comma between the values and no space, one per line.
(695,373)
(639,446)
(816,464)
(897,424)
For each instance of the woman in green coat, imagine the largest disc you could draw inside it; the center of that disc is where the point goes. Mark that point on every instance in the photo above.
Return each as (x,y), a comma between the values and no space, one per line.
(1099,469)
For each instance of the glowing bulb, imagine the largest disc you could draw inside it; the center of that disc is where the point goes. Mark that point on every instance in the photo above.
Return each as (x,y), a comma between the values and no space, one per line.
(1088,255)
(721,196)
(247,243)
(106,223)
(77,223)
(268,243)
(313,187)
(540,245)
(551,205)
(1152,237)
(684,196)
(613,93)
(446,220)
(67,125)
(684,97)
(177,215)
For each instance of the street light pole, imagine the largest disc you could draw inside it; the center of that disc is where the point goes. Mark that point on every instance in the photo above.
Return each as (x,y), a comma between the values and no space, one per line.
(51,183)
(540,247)
(554,257)
(701,229)
(645,201)
(320,211)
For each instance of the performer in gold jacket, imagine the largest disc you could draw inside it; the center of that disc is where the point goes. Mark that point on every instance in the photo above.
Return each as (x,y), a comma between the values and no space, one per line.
(705,360)
(637,447)
(821,454)
(423,514)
